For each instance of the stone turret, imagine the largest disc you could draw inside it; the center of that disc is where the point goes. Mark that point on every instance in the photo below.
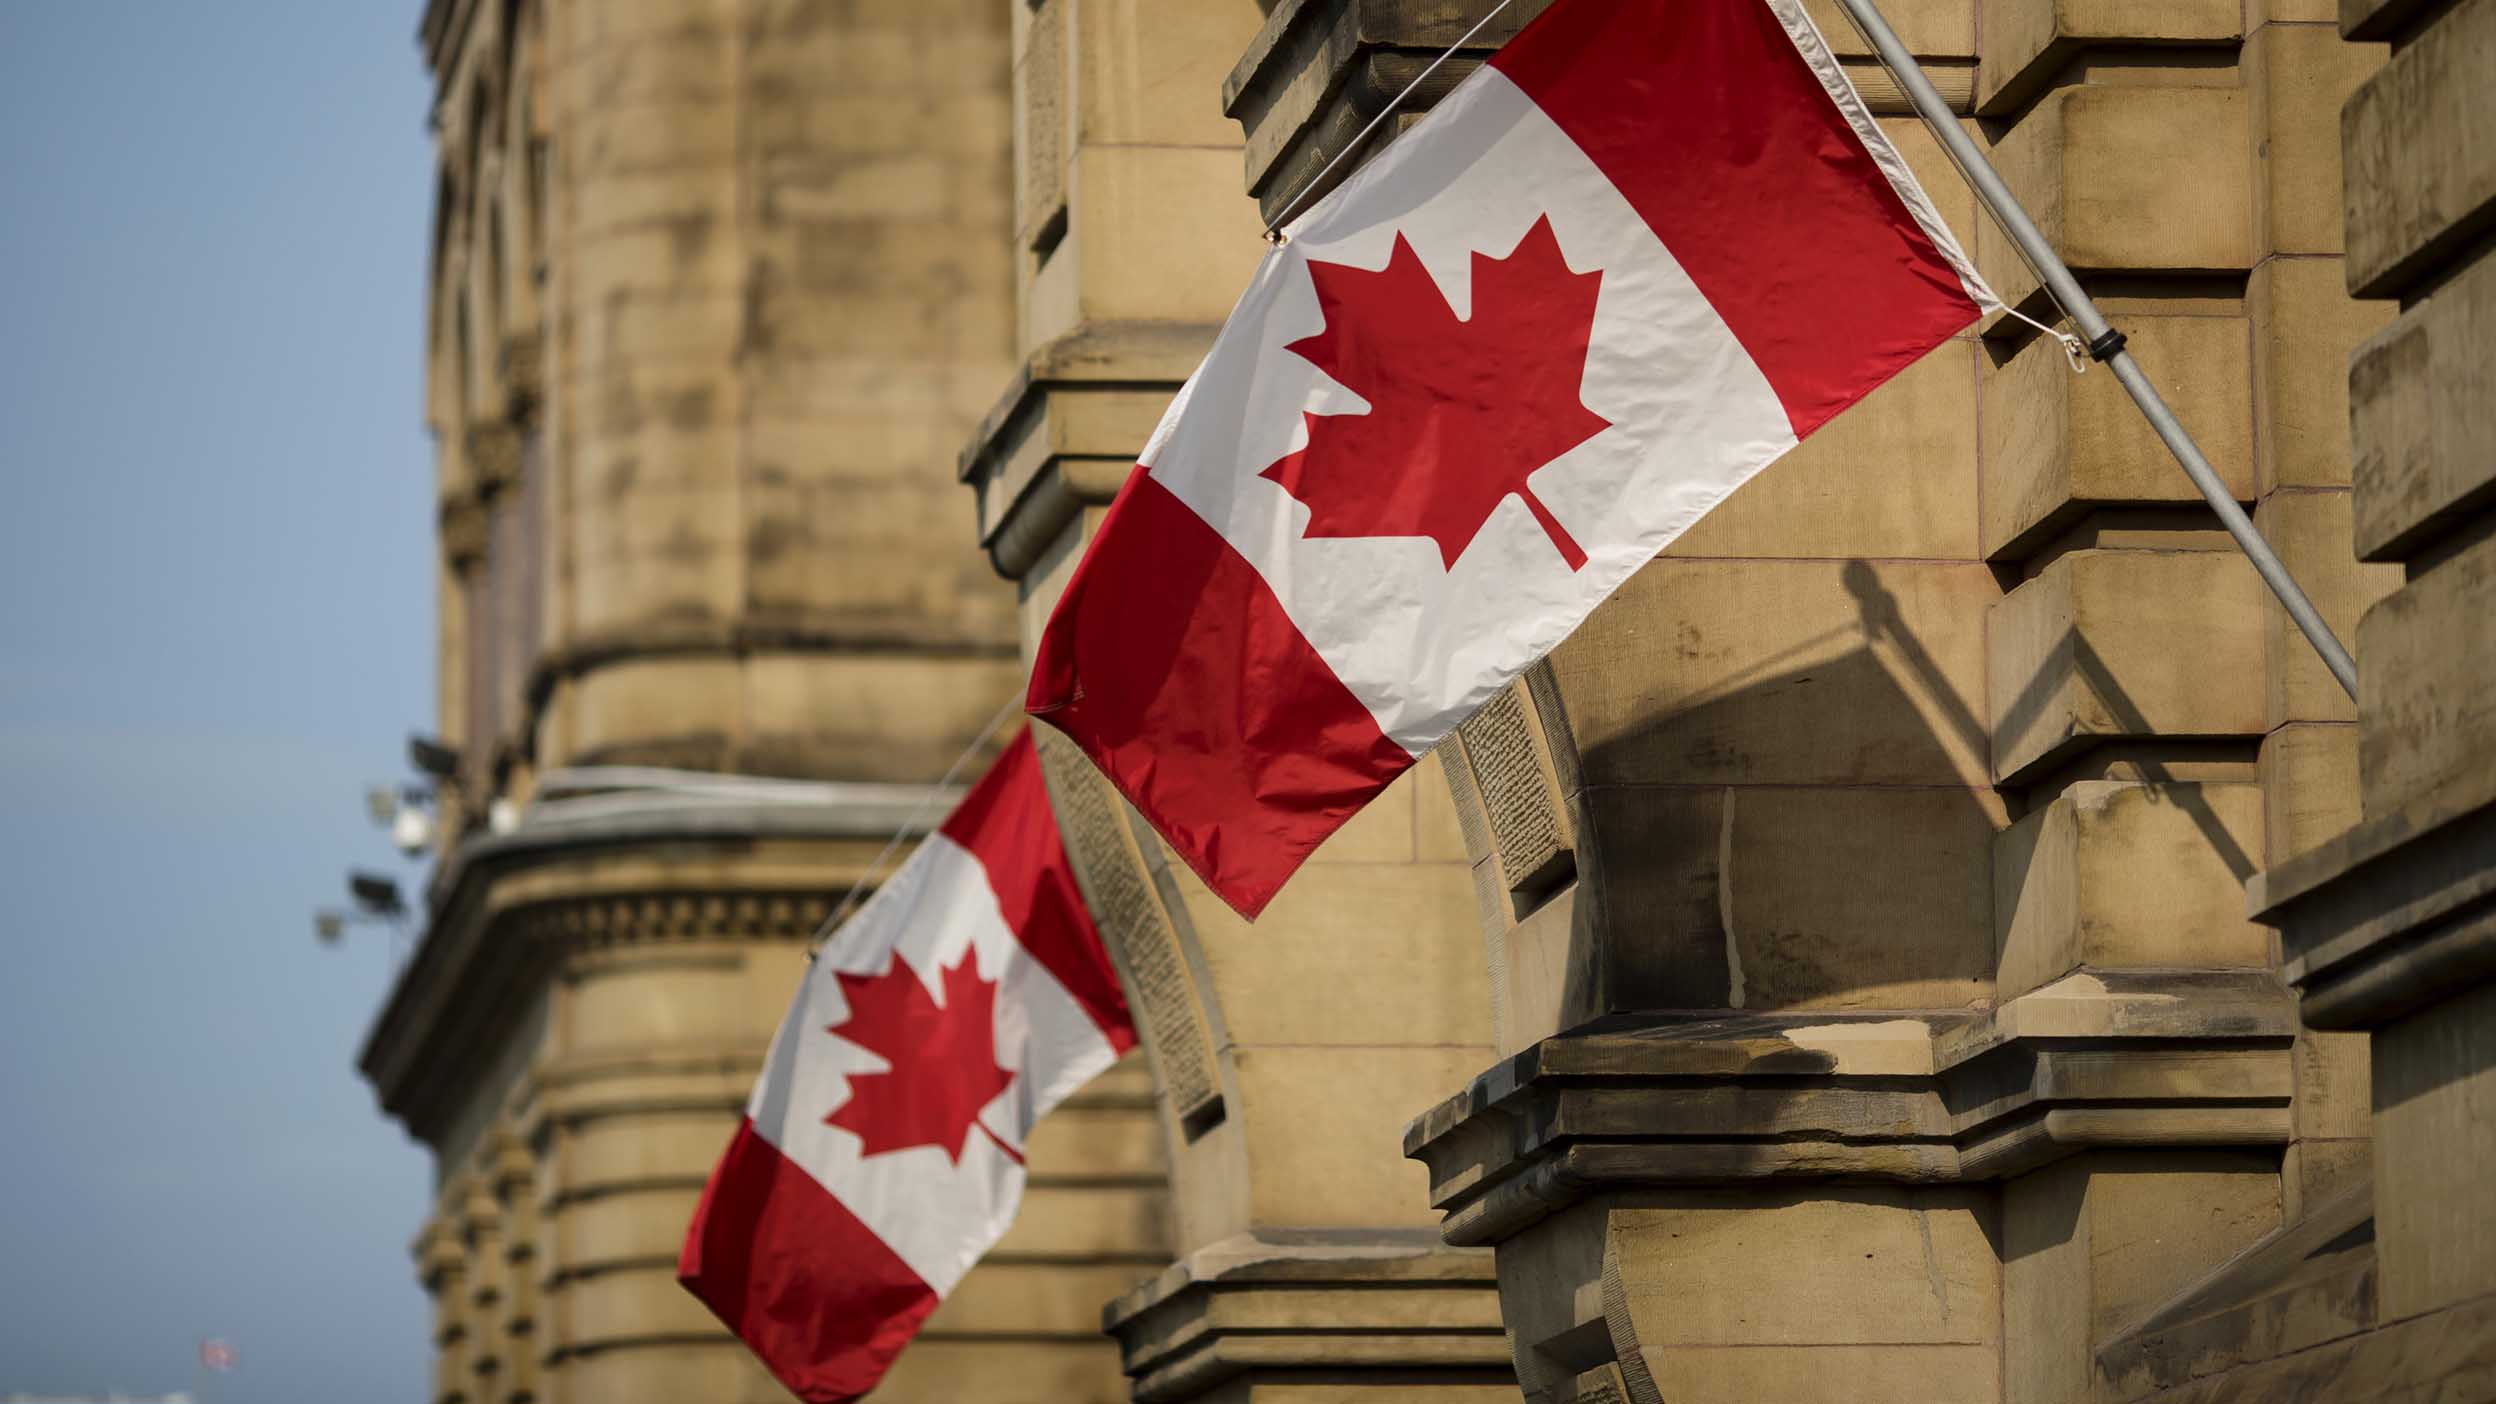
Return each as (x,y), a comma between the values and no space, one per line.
(718,286)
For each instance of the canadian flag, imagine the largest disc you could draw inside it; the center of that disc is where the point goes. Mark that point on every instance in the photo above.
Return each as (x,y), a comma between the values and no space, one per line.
(882,1152)
(1630,262)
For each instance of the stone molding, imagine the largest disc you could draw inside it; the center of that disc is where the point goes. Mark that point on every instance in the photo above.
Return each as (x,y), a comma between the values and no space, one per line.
(2393,915)
(1145,926)
(629,918)
(461,524)
(741,638)
(494,450)
(1066,432)
(1507,792)
(1319,70)
(2096,1059)
(524,370)
(1358,1301)
(485,952)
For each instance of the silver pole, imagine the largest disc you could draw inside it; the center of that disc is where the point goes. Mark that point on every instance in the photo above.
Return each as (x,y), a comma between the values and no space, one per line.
(2105,343)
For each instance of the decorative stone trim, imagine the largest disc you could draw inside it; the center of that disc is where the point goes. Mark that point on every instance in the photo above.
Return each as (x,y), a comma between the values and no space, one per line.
(630,918)
(2395,914)
(524,371)
(2169,1058)
(1143,924)
(1319,70)
(1521,812)
(1066,432)
(463,530)
(1248,1305)
(494,451)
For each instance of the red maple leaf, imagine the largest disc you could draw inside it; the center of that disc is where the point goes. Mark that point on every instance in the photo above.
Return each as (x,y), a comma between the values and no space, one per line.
(1460,409)
(944,1059)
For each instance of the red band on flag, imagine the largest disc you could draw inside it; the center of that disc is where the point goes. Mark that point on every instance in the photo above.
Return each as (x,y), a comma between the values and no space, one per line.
(1172,664)
(1006,823)
(1708,120)
(814,1293)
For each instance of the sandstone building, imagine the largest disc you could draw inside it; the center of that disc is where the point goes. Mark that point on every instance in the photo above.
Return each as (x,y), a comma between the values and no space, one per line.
(1829,977)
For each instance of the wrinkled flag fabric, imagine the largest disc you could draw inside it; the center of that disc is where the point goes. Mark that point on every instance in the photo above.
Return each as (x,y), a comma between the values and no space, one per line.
(1627,264)
(882,1151)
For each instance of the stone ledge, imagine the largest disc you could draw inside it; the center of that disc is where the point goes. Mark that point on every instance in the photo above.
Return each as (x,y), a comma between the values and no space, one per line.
(2418,189)
(1067,430)
(1319,70)
(2392,915)
(2134,1058)
(1348,1301)
(2027,44)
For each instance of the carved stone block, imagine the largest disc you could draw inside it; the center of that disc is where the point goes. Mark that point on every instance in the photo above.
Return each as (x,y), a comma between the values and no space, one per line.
(2104,645)
(2419,185)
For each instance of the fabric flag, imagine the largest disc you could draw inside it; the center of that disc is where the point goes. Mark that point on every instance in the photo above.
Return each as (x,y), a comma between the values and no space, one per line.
(1630,262)
(882,1152)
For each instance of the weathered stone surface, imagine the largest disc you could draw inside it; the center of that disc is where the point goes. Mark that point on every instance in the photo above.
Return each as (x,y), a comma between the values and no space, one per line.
(2097,168)
(2422,404)
(2435,1130)
(2027,42)
(2111,874)
(2310,530)
(2309,787)
(2094,1243)
(1767,897)
(1246,1313)
(2296,77)
(2379,19)
(2392,915)
(2308,1284)
(2163,1058)
(1886,478)
(2447,1354)
(1156,233)
(2109,644)
(2421,174)
(1801,672)
(2425,654)
(2305,325)
(2058,445)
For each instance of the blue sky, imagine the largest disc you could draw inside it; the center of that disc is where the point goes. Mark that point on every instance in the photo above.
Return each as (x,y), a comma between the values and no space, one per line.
(216,630)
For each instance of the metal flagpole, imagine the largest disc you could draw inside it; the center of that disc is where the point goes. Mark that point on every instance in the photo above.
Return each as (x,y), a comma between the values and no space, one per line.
(2104,342)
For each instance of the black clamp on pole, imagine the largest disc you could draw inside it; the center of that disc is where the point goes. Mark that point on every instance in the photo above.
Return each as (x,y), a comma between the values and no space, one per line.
(2107,346)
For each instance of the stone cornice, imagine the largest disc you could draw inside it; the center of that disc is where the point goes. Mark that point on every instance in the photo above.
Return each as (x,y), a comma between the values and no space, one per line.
(494,451)
(2136,1058)
(1316,1301)
(504,907)
(1067,430)
(479,964)
(2394,914)
(743,637)
(1319,70)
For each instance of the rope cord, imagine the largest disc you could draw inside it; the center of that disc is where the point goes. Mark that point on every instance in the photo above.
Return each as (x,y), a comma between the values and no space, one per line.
(918,816)
(1291,210)
(2075,350)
